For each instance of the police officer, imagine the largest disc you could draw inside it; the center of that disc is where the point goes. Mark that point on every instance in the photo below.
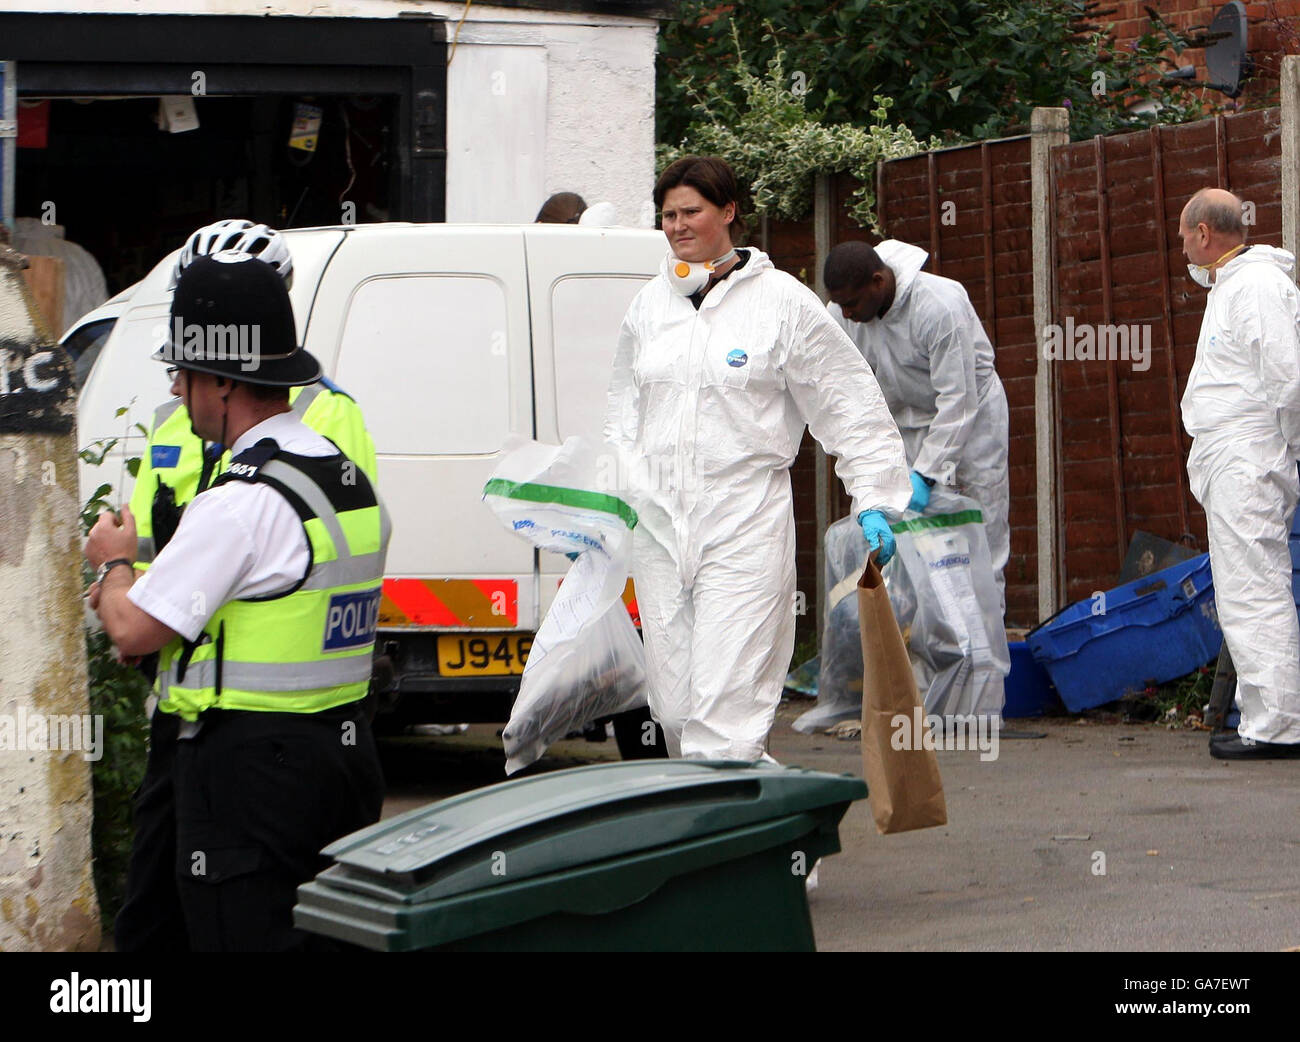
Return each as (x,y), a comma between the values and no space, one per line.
(176,463)
(263,606)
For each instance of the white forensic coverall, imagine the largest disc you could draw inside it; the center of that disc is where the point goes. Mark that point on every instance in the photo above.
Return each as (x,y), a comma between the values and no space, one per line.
(1242,409)
(935,368)
(706,411)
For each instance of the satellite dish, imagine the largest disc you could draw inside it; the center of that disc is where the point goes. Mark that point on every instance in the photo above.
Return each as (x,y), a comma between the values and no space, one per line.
(1226,59)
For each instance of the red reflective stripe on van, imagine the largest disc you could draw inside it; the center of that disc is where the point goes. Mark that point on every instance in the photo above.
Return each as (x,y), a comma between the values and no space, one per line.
(418,605)
(460,603)
(629,601)
(503,598)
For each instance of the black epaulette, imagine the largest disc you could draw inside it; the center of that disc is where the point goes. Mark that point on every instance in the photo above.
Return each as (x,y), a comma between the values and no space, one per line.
(247,464)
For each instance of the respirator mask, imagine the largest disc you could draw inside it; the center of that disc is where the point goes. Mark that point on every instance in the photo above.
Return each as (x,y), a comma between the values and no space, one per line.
(689,278)
(1203,275)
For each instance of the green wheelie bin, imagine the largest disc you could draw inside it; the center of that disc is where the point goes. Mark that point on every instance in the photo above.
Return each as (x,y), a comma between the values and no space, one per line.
(646,855)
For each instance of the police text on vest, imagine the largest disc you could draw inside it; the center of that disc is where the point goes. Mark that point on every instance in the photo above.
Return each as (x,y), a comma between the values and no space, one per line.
(352,620)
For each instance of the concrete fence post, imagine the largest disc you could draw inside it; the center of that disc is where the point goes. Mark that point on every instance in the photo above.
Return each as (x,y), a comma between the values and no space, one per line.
(1291,153)
(1048,128)
(47,736)
(823,221)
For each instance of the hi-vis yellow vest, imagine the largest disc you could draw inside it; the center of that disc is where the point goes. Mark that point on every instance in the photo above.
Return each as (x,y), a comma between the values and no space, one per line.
(174,455)
(307,650)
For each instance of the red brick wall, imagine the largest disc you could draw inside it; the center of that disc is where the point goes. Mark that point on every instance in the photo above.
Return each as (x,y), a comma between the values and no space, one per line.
(1273,29)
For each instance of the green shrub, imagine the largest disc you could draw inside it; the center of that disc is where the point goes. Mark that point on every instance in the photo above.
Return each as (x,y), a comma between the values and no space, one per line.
(117,693)
(956,69)
(777,145)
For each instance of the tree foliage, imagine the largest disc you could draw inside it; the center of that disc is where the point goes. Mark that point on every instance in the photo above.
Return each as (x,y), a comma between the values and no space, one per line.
(956,69)
(117,693)
(776,146)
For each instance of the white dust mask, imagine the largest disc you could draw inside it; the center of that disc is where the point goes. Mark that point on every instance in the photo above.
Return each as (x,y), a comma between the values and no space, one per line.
(1203,275)
(688,278)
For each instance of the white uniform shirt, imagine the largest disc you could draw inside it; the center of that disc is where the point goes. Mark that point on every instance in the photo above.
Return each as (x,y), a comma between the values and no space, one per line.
(238,540)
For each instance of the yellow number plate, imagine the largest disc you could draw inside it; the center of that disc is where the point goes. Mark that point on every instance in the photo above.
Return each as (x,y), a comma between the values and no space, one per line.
(493,655)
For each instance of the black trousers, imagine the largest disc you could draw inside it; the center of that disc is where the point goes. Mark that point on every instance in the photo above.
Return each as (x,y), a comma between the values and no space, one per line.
(255,796)
(150,919)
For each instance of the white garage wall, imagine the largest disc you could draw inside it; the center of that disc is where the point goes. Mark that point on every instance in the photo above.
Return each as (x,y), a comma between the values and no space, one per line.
(496,133)
(599,93)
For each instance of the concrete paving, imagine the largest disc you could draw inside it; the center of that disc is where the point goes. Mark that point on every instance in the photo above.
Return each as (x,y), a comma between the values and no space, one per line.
(1198,855)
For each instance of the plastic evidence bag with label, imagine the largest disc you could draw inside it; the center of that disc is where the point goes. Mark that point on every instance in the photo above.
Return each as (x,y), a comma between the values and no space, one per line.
(945,598)
(587,660)
(957,639)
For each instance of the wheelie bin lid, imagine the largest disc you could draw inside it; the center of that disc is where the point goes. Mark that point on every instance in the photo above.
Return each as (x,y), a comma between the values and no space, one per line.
(543,824)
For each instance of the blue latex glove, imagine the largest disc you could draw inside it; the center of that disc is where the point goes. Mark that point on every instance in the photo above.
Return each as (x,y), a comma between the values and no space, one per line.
(920,494)
(876,530)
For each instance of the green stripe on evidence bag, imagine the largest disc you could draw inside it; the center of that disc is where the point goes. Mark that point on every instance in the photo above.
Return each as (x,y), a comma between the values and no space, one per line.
(920,524)
(569,497)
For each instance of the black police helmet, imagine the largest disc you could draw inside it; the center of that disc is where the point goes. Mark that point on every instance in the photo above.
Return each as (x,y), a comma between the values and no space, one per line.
(231,317)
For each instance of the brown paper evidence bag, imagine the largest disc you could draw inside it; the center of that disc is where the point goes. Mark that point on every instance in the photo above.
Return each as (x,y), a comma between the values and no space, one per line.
(903,785)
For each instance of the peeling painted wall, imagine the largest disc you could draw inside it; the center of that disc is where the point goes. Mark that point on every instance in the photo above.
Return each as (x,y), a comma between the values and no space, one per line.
(47,893)
(601,121)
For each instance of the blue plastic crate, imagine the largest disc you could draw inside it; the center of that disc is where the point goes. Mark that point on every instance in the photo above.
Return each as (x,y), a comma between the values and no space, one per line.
(1028,687)
(1153,630)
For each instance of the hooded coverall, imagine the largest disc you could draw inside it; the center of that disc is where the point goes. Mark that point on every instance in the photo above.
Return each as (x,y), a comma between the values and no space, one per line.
(1242,409)
(935,369)
(706,411)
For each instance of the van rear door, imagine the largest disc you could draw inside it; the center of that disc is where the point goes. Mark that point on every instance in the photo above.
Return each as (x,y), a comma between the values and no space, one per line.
(581,282)
(427,328)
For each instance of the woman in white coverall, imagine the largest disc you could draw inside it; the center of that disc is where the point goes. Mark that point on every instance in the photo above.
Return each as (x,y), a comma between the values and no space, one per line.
(721,361)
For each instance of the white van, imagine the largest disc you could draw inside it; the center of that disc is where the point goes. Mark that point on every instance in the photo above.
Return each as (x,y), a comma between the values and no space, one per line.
(450,337)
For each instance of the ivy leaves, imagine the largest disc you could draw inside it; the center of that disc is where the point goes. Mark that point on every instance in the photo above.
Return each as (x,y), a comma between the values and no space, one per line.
(787,89)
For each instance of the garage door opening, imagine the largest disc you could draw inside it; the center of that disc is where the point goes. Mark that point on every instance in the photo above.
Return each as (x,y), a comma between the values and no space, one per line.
(129,191)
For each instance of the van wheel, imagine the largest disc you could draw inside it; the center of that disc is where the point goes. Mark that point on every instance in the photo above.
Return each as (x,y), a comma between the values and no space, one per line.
(638,736)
